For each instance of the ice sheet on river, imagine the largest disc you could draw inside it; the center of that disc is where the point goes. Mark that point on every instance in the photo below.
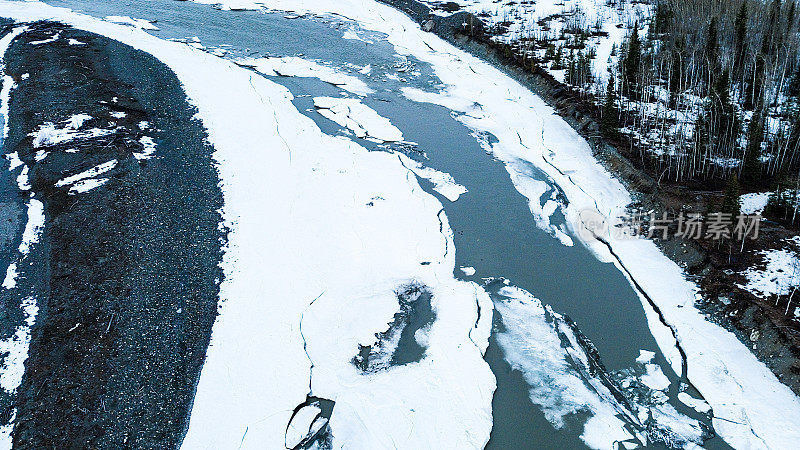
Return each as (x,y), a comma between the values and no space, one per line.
(322,233)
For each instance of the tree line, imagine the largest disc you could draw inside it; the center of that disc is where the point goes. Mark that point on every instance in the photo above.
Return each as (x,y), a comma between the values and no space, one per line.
(711,91)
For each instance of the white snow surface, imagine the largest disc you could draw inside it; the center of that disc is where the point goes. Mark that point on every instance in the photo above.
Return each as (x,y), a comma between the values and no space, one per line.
(754,203)
(753,408)
(780,276)
(359,118)
(48,134)
(149,148)
(93,172)
(87,185)
(296,201)
(293,66)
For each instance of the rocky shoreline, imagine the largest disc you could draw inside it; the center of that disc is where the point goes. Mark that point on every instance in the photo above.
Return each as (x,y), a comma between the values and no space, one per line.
(126,274)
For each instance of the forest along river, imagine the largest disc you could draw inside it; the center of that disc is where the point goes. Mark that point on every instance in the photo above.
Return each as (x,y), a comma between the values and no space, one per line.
(494,232)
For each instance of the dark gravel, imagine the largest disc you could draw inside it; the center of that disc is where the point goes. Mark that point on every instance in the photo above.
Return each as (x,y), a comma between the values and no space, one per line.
(126,276)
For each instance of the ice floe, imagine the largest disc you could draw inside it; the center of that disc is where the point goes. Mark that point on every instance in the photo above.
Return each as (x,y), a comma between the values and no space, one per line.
(443,183)
(293,66)
(359,118)
(694,403)
(654,377)
(564,380)
(301,425)
(138,23)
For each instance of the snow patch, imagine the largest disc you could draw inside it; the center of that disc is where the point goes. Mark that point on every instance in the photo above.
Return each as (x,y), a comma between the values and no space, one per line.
(48,134)
(86,185)
(10,281)
(780,276)
(149,148)
(53,38)
(754,203)
(93,172)
(16,348)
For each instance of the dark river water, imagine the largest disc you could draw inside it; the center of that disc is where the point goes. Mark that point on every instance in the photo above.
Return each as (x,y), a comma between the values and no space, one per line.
(494,230)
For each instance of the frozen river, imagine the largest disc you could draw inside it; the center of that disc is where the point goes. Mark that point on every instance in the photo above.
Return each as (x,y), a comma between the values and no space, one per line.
(570,345)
